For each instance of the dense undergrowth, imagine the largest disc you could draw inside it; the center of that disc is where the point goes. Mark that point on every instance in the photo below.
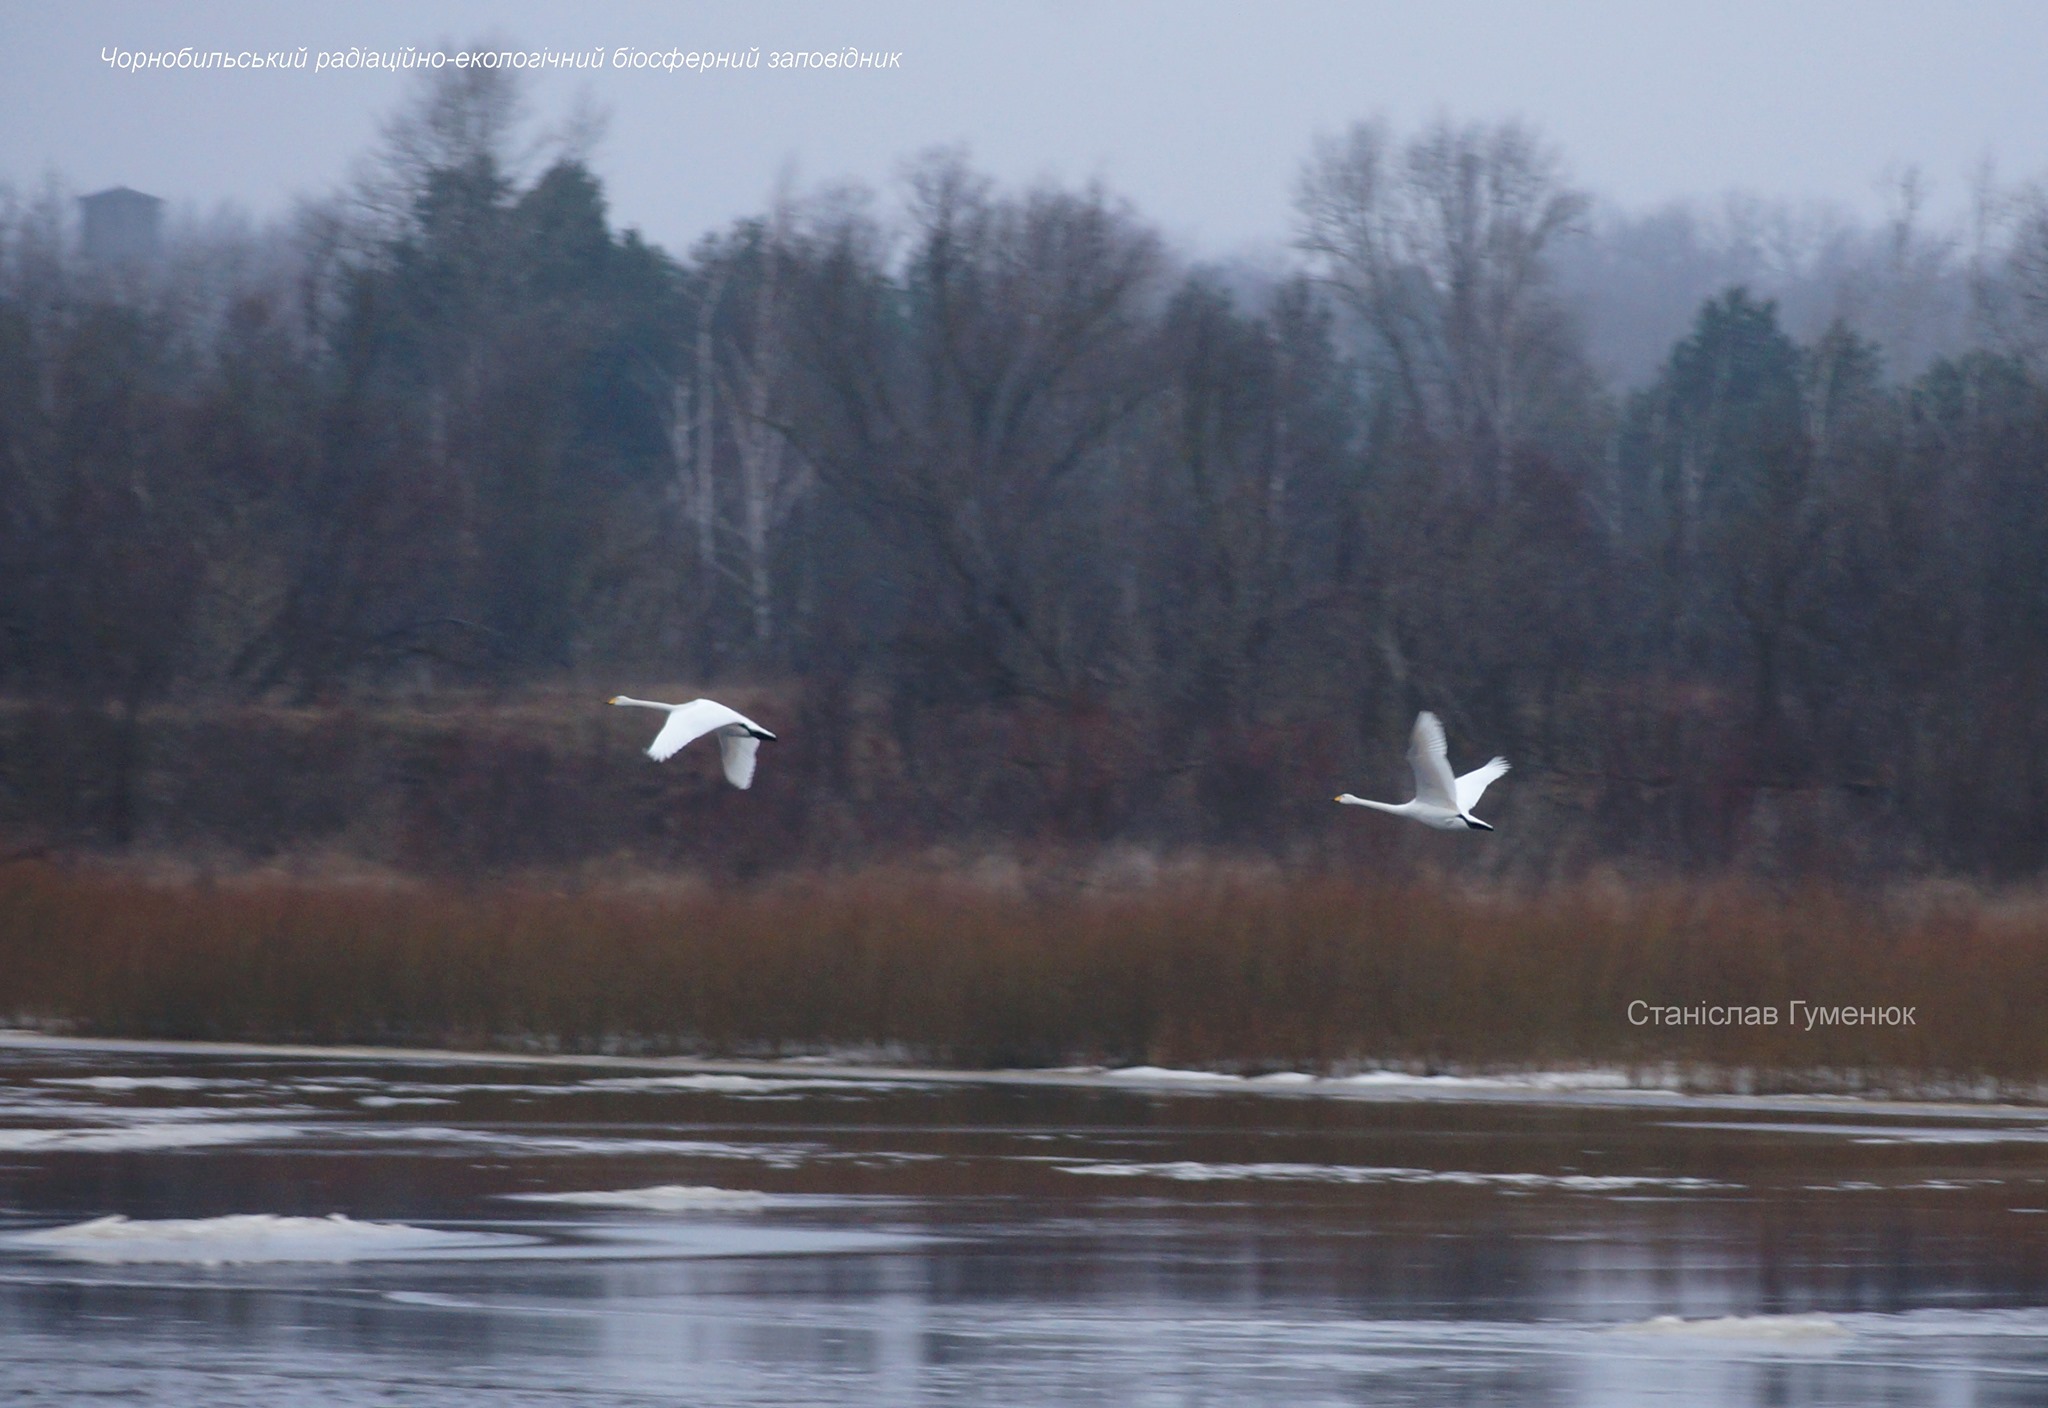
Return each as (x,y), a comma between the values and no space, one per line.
(1233,967)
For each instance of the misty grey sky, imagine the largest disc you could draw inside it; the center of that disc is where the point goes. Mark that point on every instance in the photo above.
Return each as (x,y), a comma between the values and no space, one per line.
(1199,111)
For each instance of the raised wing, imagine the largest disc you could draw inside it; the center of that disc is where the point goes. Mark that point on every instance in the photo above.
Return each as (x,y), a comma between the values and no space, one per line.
(737,747)
(1473,784)
(1430,756)
(690,721)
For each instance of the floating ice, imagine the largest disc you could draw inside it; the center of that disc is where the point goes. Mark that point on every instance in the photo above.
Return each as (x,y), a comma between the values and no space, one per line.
(735,1084)
(1522,1080)
(1562,1081)
(122,1084)
(252,1237)
(663,1197)
(1188,1171)
(510,1142)
(712,1082)
(1167,1073)
(433,1298)
(1882,1134)
(193,1134)
(1743,1327)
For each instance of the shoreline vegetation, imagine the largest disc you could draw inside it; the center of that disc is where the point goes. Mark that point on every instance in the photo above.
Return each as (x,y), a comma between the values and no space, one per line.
(1202,962)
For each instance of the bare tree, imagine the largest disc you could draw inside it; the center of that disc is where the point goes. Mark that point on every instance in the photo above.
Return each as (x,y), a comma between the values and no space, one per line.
(1441,248)
(961,403)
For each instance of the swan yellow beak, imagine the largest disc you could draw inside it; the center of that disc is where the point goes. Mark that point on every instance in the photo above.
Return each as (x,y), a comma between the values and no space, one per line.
(615,699)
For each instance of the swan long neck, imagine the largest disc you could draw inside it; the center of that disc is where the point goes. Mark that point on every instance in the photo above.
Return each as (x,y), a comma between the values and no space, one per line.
(643,703)
(1398,809)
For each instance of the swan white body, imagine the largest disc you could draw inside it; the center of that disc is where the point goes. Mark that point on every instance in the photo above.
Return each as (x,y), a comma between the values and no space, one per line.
(739,737)
(1441,800)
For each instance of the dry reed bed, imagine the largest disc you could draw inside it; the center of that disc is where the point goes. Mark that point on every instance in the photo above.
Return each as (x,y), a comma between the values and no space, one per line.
(1237,971)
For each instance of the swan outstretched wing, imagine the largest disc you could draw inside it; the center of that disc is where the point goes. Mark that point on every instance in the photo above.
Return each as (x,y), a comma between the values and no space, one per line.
(737,747)
(691,721)
(1473,784)
(1430,756)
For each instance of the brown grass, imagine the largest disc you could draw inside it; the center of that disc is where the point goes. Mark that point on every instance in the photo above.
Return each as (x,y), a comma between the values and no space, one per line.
(1240,969)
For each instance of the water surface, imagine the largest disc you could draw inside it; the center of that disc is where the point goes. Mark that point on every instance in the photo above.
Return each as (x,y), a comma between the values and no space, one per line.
(226,1226)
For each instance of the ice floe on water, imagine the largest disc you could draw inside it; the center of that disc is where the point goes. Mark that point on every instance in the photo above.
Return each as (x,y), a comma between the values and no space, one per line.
(252,1237)
(1190,1171)
(1881,1134)
(120,1131)
(725,1084)
(1516,1080)
(509,1142)
(436,1299)
(1742,1327)
(125,1084)
(1528,1081)
(662,1197)
(706,1082)
(151,1136)
(1165,1074)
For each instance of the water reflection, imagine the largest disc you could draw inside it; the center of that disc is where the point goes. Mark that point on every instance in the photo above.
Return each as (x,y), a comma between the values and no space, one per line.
(914,1241)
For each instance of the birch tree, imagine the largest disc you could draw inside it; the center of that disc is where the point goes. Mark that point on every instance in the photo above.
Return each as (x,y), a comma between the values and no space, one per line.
(738,476)
(772,477)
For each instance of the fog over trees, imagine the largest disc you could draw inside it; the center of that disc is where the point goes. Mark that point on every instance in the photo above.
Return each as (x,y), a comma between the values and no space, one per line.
(1728,524)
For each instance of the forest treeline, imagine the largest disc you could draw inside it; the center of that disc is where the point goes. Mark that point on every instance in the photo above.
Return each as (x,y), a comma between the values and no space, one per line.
(1031,528)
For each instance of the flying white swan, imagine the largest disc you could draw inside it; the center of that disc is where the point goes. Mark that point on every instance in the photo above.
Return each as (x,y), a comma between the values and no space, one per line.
(1441,800)
(739,737)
